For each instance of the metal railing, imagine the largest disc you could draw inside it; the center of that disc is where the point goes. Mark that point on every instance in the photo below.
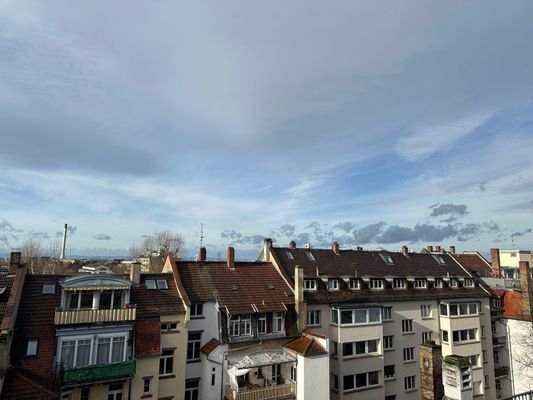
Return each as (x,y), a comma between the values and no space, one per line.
(90,316)
(501,372)
(269,392)
(521,396)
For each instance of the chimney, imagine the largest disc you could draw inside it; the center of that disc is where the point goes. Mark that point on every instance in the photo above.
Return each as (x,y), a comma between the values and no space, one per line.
(495,260)
(267,245)
(526,286)
(430,356)
(437,249)
(135,273)
(335,247)
(359,248)
(64,245)
(292,245)
(15,260)
(301,306)
(202,256)
(405,251)
(231,258)
(452,249)
(430,249)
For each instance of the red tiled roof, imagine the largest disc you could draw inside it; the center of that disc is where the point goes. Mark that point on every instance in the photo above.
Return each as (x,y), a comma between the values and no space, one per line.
(147,337)
(306,346)
(210,346)
(475,263)
(237,289)
(155,302)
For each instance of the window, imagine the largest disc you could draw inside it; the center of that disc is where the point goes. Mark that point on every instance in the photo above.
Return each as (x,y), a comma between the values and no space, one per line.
(496,356)
(399,283)
(310,256)
(277,320)
(75,352)
(438,283)
(389,372)
(387,258)
(313,317)
(469,282)
(193,346)
(334,316)
(376,284)
(334,381)
(466,378)
(240,325)
(362,380)
(276,373)
(309,284)
(115,392)
(333,284)
(464,335)
(146,385)
(407,325)
(162,284)
(445,336)
(460,309)
(169,327)
(390,397)
(409,382)
(192,387)
(357,317)
(293,373)
(388,342)
(439,259)
(262,323)
(359,348)
(420,284)
(110,349)
(493,327)
(474,360)
(483,331)
(443,309)
(213,376)
(333,350)
(454,283)
(289,255)
(355,284)
(498,385)
(425,310)
(426,336)
(49,289)
(486,381)
(477,388)
(150,284)
(166,362)
(197,309)
(484,355)
(408,353)
(31,350)
(85,393)
(386,313)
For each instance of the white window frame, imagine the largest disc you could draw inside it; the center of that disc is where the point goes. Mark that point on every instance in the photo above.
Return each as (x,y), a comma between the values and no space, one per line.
(375,284)
(165,357)
(262,323)
(196,345)
(366,344)
(94,347)
(309,284)
(408,354)
(389,377)
(469,283)
(407,326)
(197,309)
(388,342)
(399,283)
(333,284)
(278,322)
(427,336)
(409,382)
(420,283)
(313,317)
(426,311)
(355,284)
(438,283)
(386,313)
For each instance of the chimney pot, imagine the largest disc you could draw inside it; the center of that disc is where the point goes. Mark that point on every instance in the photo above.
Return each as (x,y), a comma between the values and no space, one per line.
(292,245)
(267,245)
(15,259)
(202,256)
(135,273)
(437,249)
(231,257)
(335,247)
(405,251)
(495,261)
(452,249)
(430,249)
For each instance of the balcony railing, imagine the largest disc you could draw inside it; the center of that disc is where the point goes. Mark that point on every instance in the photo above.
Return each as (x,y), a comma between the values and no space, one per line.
(98,373)
(501,372)
(285,391)
(498,341)
(90,316)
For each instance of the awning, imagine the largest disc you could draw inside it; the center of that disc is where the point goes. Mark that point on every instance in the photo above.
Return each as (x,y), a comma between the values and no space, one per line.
(261,359)
(94,288)
(238,372)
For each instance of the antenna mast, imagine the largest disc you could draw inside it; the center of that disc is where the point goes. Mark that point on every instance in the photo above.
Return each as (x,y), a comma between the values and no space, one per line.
(201,235)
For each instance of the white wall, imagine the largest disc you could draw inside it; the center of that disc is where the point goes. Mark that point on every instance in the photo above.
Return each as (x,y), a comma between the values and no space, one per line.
(312,377)
(522,376)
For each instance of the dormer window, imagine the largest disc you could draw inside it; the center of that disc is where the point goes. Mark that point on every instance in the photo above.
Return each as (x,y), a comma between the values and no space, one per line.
(420,283)
(387,258)
(469,282)
(376,284)
(152,284)
(333,284)
(355,284)
(399,283)
(454,283)
(309,284)
(439,259)
(438,283)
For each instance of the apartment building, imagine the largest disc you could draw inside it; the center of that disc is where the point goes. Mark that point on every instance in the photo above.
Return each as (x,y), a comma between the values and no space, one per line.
(510,281)
(87,337)
(377,307)
(243,341)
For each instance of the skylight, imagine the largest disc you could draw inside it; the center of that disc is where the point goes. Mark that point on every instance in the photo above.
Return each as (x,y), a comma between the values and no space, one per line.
(162,284)
(439,259)
(150,284)
(387,258)
(49,289)
(289,255)
(310,255)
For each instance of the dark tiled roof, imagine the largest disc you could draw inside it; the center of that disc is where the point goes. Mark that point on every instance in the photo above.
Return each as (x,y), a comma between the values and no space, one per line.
(20,387)
(147,337)
(210,346)
(306,346)
(237,289)
(155,302)
(475,263)
(6,281)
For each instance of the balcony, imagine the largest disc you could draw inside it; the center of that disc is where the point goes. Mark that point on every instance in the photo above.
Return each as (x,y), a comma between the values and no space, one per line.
(91,316)
(498,341)
(501,372)
(285,391)
(98,373)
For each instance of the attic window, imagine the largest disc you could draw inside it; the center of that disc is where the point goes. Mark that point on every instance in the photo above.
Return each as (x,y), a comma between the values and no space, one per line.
(2,289)
(49,289)
(310,256)
(289,255)
(309,284)
(31,350)
(270,286)
(439,259)
(162,284)
(333,284)
(355,284)
(234,287)
(469,282)
(150,284)
(387,258)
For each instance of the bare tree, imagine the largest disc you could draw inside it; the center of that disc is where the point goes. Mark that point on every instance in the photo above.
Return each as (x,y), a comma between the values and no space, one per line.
(31,250)
(53,249)
(157,246)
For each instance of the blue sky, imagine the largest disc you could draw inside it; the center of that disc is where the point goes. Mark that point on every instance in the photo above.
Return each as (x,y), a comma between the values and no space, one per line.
(371,123)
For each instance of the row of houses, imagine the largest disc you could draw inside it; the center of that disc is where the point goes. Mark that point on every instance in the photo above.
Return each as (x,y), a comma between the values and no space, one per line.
(298,323)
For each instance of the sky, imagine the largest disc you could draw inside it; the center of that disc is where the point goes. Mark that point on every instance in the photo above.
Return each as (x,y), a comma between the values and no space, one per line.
(375,124)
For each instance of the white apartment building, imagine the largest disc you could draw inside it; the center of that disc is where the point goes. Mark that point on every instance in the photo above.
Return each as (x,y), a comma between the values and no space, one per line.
(377,307)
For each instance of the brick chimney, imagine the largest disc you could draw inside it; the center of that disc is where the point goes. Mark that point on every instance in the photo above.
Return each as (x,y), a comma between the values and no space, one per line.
(335,247)
(135,273)
(15,259)
(430,356)
(292,245)
(301,305)
(438,249)
(526,286)
(495,260)
(231,258)
(452,249)
(267,245)
(430,249)
(202,255)
(405,251)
